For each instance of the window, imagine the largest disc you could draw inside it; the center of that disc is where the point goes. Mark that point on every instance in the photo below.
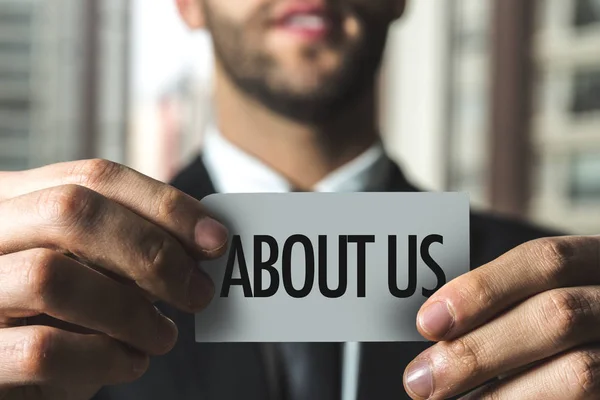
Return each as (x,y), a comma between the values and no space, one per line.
(587,12)
(13,132)
(14,48)
(12,163)
(586,91)
(585,178)
(15,105)
(14,75)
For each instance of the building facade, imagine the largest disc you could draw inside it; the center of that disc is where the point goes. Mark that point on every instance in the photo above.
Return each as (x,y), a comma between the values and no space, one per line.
(16,37)
(566,128)
(469,99)
(63,81)
(557,149)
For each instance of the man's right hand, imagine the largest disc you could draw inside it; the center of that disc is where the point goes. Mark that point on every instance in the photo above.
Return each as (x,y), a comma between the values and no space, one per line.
(85,249)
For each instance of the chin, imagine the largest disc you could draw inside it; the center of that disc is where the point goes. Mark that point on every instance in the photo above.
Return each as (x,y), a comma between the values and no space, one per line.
(304,85)
(307,78)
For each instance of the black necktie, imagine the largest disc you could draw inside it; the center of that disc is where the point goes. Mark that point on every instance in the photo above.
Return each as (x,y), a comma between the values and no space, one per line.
(310,371)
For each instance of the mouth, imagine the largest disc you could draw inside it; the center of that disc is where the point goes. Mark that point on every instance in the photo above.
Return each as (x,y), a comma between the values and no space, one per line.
(311,22)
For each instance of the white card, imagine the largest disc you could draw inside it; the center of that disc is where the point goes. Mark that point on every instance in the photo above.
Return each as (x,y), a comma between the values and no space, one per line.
(331,267)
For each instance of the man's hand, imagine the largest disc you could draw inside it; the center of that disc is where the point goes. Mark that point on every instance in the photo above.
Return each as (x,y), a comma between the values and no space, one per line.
(531,318)
(85,248)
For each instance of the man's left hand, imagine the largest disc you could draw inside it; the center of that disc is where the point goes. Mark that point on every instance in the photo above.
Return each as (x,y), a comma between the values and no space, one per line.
(531,318)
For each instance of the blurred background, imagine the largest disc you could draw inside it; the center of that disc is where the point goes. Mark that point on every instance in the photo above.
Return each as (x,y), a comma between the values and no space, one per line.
(500,98)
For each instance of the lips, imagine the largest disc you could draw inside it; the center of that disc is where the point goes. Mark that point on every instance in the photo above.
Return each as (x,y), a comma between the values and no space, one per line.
(305,19)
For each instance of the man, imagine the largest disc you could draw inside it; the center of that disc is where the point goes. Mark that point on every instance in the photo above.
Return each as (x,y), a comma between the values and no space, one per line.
(86,247)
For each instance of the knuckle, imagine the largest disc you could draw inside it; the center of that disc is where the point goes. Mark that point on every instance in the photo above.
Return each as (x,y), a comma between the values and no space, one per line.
(477,289)
(466,358)
(34,353)
(69,206)
(168,203)
(40,274)
(555,253)
(566,312)
(582,374)
(93,173)
(156,257)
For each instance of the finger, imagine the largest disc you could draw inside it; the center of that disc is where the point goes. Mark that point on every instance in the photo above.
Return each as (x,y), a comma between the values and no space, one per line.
(45,282)
(36,355)
(537,266)
(51,392)
(537,329)
(571,376)
(520,369)
(102,233)
(179,214)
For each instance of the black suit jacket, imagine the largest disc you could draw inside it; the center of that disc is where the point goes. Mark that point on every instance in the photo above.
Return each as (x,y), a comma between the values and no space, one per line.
(234,371)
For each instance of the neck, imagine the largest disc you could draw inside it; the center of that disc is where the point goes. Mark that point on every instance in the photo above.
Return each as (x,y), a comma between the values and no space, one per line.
(303,153)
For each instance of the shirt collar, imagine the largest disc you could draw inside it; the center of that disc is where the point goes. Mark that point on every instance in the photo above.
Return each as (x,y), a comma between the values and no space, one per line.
(234,171)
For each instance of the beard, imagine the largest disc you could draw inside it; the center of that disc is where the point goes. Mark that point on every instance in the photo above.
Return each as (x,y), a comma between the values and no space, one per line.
(260,76)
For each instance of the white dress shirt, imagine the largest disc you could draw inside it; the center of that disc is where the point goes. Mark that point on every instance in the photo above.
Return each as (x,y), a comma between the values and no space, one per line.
(234,171)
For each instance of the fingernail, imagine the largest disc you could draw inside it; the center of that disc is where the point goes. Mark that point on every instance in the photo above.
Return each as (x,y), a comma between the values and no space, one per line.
(200,291)
(210,234)
(419,379)
(167,331)
(437,319)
